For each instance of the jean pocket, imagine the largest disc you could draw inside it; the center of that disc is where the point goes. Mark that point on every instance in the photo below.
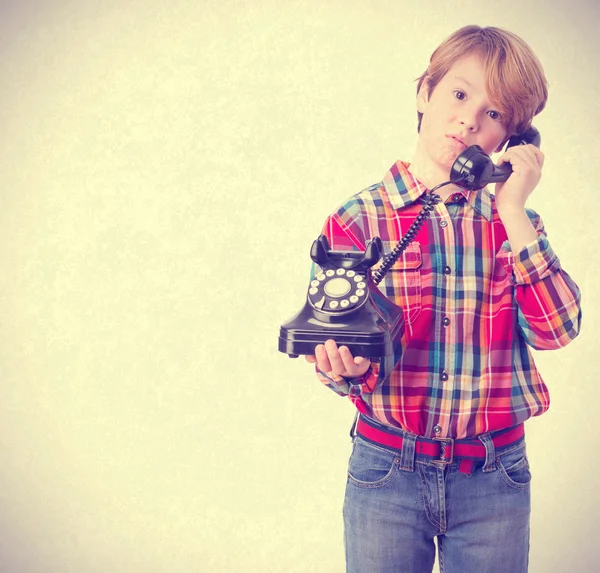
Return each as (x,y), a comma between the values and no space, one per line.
(402,283)
(514,469)
(370,466)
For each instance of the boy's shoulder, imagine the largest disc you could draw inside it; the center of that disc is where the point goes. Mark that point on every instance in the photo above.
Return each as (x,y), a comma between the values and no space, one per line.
(395,190)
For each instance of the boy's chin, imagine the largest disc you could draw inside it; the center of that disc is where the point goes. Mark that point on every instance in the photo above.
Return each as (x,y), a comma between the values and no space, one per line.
(439,163)
(445,164)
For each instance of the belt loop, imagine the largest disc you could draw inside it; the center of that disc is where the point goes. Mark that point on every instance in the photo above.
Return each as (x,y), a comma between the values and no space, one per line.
(490,453)
(353,428)
(407,459)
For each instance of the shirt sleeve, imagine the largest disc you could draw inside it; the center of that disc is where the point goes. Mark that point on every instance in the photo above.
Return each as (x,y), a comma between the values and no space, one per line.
(548,300)
(351,386)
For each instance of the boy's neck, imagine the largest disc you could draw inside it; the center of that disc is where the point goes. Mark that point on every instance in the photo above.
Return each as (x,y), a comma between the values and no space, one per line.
(430,176)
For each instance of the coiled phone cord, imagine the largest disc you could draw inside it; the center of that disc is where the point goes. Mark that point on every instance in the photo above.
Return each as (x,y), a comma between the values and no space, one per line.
(430,199)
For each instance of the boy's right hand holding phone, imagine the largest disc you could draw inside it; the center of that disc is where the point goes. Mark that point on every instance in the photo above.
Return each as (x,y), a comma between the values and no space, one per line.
(338,361)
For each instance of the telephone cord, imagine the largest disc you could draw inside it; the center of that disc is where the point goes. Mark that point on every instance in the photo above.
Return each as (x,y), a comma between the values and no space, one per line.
(429,201)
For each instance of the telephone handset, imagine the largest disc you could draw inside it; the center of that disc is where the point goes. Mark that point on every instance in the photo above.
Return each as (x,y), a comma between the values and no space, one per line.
(343,301)
(473,168)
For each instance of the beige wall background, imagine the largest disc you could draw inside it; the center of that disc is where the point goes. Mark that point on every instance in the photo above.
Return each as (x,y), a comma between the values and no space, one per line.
(164,168)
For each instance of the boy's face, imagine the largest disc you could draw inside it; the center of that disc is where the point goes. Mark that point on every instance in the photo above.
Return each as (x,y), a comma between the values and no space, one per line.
(458,113)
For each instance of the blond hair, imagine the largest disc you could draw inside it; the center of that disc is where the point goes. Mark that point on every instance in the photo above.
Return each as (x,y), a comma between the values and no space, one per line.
(516,82)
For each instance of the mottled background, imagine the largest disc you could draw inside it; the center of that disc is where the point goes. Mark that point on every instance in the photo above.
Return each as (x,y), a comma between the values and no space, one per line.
(164,168)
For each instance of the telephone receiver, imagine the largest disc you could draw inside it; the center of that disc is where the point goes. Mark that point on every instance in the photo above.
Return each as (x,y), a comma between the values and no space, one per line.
(474,169)
(343,301)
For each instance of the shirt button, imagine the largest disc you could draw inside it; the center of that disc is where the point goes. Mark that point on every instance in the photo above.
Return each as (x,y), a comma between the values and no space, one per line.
(437,429)
(457,197)
(446,321)
(447,270)
(444,376)
(443,223)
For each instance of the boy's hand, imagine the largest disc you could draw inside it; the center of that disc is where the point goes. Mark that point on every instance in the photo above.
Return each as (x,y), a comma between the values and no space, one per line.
(333,360)
(526,162)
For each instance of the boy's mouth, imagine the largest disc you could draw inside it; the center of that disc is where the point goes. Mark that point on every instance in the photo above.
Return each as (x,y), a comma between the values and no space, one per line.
(458,139)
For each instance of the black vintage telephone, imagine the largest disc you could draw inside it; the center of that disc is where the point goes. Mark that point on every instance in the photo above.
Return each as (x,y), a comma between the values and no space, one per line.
(343,301)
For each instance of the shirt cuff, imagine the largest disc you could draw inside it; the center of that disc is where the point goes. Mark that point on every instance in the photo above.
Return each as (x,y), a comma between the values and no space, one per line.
(352,386)
(534,262)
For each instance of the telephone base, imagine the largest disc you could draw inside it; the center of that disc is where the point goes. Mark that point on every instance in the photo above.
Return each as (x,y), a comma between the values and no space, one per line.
(297,341)
(344,304)
(370,332)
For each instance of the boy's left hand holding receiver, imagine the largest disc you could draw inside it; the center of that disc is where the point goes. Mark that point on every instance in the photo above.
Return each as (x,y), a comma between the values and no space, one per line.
(527,162)
(511,196)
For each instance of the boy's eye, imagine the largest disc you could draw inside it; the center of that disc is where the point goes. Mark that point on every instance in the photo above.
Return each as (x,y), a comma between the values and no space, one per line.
(458,94)
(495,115)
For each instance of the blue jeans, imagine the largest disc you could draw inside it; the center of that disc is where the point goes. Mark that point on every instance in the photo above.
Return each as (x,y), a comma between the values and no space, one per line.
(396,503)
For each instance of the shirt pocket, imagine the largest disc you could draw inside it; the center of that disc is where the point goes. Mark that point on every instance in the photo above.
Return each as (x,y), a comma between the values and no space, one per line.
(403,282)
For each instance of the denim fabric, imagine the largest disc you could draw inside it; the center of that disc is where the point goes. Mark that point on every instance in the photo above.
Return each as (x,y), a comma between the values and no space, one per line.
(396,504)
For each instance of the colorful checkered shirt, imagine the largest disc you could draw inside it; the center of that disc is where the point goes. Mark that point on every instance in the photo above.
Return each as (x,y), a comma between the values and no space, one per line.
(472,309)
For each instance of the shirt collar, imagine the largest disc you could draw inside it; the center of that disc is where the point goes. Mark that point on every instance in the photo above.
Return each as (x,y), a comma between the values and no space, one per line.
(403,189)
(481,201)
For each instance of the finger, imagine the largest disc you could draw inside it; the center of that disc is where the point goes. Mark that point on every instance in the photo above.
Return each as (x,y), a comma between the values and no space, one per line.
(347,359)
(530,159)
(522,156)
(539,156)
(502,159)
(310,358)
(506,157)
(322,359)
(523,159)
(333,354)
(535,153)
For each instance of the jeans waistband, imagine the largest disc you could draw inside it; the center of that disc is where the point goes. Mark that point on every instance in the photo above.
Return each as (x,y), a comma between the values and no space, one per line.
(442,451)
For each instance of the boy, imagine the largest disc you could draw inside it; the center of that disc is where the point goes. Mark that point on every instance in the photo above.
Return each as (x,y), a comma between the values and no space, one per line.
(439,445)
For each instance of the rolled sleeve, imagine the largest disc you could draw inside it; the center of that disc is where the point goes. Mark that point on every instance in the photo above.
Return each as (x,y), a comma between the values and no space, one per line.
(365,384)
(533,263)
(547,299)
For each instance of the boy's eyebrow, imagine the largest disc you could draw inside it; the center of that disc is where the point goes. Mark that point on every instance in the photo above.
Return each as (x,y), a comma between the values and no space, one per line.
(464,80)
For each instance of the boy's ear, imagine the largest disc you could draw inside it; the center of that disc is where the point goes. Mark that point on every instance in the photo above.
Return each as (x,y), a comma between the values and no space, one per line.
(423,96)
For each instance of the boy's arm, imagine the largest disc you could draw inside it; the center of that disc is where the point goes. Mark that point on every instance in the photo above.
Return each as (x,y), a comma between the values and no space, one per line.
(548,299)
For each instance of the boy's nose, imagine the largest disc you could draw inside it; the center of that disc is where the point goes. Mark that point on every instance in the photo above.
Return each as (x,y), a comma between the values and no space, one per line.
(470,121)
(469,117)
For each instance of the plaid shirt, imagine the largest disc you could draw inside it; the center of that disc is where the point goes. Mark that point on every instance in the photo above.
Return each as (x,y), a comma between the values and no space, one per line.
(471,307)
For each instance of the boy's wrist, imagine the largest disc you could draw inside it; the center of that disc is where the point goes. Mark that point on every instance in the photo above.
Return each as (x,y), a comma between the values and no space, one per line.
(519,229)
(511,211)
